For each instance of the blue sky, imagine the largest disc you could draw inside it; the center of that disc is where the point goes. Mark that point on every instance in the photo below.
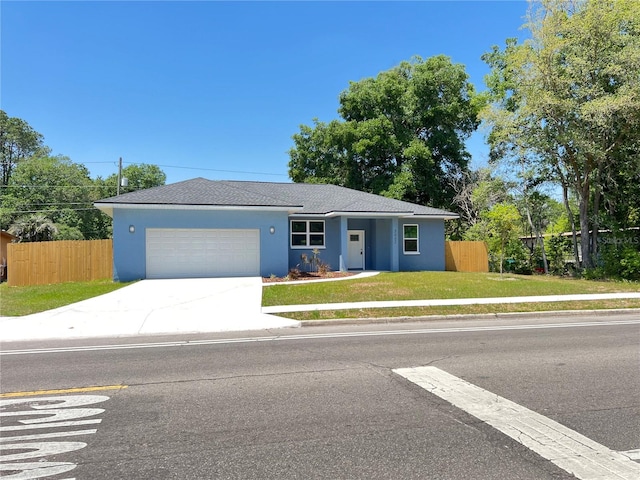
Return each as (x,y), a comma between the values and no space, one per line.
(216,89)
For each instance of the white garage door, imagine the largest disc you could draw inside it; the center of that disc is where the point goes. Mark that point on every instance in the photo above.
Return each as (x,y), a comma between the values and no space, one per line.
(191,253)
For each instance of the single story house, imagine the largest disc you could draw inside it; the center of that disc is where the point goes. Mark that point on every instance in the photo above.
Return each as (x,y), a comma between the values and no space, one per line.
(205,228)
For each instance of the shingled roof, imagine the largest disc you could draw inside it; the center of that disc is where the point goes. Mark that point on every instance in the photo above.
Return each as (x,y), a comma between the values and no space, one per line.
(298,198)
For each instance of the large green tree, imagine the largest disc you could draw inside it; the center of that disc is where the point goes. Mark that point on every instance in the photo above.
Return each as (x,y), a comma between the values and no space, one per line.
(18,141)
(567,103)
(139,176)
(401,134)
(60,190)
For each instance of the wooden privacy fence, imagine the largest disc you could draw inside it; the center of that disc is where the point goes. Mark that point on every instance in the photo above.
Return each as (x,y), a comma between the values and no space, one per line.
(41,263)
(466,257)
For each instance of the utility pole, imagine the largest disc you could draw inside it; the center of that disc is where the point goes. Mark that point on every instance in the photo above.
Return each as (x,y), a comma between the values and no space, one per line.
(119,175)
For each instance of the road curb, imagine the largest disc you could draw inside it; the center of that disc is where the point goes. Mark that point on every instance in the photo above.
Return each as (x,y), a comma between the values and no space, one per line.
(480,316)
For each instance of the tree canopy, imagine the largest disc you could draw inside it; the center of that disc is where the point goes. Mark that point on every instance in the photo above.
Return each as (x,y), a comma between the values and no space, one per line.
(139,176)
(18,141)
(566,107)
(401,134)
(59,190)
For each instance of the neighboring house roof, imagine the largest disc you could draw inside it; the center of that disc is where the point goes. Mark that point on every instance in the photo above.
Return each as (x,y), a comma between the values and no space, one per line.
(297,198)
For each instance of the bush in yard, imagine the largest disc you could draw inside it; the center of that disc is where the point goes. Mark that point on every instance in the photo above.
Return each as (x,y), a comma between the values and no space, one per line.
(558,248)
(517,258)
(294,274)
(619,258)
(323,267)
(630,264)
(313,263)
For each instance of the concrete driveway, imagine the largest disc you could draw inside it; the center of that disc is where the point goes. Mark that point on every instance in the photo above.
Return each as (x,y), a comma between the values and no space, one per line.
(152,307)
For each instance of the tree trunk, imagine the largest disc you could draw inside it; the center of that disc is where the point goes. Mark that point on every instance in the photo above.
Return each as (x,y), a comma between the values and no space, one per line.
(545,263)
(597,196)
(538,234)
(587,260)
(574,236)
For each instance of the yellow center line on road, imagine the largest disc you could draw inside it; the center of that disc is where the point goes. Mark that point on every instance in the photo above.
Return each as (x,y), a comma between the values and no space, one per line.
(62,391)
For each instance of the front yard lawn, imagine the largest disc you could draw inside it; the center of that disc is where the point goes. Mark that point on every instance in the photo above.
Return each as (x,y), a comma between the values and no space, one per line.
(442,285)
(19,301)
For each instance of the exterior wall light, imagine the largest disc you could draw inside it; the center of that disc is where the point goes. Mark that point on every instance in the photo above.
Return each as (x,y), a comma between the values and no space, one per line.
(132,229)
(272,230)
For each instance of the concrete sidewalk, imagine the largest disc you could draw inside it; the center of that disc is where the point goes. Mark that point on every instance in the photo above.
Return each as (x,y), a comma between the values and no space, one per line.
(451,301)
(153,307)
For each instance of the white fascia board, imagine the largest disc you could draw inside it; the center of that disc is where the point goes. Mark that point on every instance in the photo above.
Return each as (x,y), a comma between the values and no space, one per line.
(374,215)
(109,207)
(367,214)
(346,214)
(437,217)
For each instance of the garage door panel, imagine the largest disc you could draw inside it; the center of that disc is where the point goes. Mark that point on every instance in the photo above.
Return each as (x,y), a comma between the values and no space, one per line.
(184,253)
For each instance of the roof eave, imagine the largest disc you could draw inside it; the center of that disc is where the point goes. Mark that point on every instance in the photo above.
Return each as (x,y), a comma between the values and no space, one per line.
(365,214)
(443,216)
(109,207)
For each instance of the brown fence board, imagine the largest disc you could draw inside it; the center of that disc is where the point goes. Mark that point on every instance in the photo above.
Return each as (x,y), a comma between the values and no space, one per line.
(42,263)
(466,257)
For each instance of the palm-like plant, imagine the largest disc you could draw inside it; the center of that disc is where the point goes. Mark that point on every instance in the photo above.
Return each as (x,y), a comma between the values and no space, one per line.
(34,228)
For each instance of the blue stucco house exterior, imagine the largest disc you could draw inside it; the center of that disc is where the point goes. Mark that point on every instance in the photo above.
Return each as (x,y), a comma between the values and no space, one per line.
(207,228)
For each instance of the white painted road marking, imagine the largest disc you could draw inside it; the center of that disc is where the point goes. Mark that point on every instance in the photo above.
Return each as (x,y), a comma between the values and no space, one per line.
(45,436)
(633,454)
(73,423)
(54,414)
(282,338)
(34,470)
(569,450)
(23,455)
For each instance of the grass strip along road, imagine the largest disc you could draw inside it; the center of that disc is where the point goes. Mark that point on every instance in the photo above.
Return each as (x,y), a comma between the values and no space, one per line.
(444,285)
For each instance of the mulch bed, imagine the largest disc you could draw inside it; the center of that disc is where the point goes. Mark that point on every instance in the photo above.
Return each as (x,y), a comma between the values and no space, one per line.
(308,276)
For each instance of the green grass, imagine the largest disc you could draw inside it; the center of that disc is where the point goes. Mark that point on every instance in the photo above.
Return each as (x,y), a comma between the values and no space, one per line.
(435,285)
(461,310)
(19,301)
(442,285)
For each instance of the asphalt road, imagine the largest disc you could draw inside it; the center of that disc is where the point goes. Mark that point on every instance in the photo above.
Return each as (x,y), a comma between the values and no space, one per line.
(315,402)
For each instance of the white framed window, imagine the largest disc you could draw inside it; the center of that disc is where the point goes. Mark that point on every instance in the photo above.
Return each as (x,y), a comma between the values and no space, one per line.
(410,243)
(307,234)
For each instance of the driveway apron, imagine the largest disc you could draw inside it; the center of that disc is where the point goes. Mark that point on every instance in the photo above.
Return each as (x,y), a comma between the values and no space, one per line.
(151,307)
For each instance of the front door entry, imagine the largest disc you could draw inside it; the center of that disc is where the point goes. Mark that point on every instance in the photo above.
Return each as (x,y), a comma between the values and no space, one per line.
(355,253)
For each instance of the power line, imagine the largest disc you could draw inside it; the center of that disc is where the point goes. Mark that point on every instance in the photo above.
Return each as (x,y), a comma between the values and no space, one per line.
(216,170)
(182,167)
(96,162)
(199,168)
